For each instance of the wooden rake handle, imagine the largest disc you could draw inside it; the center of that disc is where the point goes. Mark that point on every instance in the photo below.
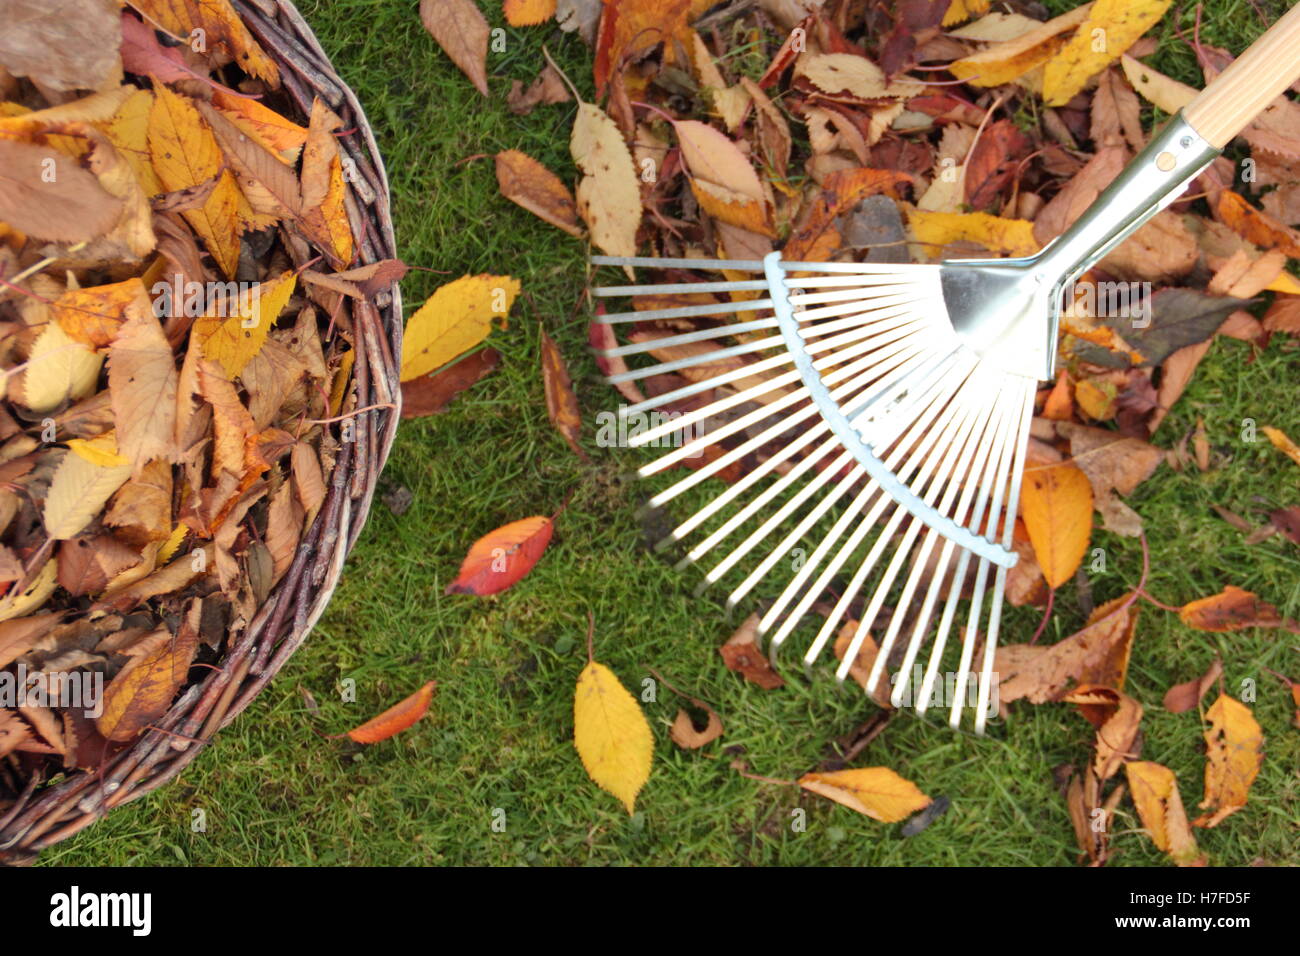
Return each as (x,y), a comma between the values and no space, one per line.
(1252,81)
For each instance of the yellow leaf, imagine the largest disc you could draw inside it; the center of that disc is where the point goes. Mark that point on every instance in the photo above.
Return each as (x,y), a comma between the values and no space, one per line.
(1233,755)
(325,216)
(58,368)
(93,316)
(733,207)
(1282,443)
(1111,28)
(528,13)
(185,153)
(877,792)
(457,317)
(1012,236)
(1008,61)
(609,195)
(100,450)
(128,131)
(143,386)
(234,339)
(42,586)
(1156,88)
(855,75)
(611,734)
(959,11)
(1057,505)
(172,544)
(1155,794)
(78,492)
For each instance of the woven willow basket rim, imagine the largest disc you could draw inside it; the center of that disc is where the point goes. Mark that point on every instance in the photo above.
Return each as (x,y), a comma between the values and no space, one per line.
(41,817)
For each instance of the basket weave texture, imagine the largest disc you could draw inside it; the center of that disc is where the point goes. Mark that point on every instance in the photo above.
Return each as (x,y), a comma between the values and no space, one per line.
(45,815)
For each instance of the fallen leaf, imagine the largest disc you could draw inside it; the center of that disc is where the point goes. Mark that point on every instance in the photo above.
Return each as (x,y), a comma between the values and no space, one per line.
(185,154)
(561,403)
(1282,443)
(1097,655)
(608,195)
(1232,609)
(220,25)
(1007,61)
(527,13)
(937,229)
(1160,807)
(1120,23)
(1183,697)
(457,317)
(684,734)
(741,654)
(876,792)
(1234,753)
(143,383)
(430,394)
(66,45)
(527,183)
(499,559)
(143,690)
(1056,501)
(45,193)
(611,734)
(396,718)
(462,32)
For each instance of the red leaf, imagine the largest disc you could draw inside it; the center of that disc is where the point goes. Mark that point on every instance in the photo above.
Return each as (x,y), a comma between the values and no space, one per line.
(430,394)
(500,559)
(396,718)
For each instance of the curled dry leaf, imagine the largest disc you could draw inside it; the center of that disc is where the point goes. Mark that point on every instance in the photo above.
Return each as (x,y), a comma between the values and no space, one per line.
(561,403)
(611,734)
(526,182)
(1097,655)
(1183,697)
(741,654)
(498,560)
(876,792)
(396,718)
(684,732)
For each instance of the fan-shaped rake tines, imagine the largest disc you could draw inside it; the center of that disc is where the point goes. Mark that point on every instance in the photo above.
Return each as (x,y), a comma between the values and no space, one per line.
(865,412)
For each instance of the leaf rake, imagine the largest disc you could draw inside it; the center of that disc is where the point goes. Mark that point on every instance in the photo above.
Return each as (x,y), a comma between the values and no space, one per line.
(894,402)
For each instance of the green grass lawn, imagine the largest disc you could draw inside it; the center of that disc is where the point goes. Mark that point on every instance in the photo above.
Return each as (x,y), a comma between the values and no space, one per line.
(498,736)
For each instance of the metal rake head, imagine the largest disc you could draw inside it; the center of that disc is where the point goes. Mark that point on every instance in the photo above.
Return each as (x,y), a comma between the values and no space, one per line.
(866,417)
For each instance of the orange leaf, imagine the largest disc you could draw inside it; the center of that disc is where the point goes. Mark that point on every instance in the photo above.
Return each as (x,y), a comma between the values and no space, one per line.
(526,182)
(561,403)
(500,559)
(876,792)
(1155,794)
(396,718)
(1057,503)
(1230,610)
(630,27)
(1234,752)
(143,690)
(1255,226)
(528,13)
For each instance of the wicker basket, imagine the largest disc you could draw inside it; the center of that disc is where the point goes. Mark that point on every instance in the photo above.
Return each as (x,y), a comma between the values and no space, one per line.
(42,817)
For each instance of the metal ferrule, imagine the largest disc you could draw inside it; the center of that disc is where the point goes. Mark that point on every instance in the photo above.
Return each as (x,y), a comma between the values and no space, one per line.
(1007,310)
